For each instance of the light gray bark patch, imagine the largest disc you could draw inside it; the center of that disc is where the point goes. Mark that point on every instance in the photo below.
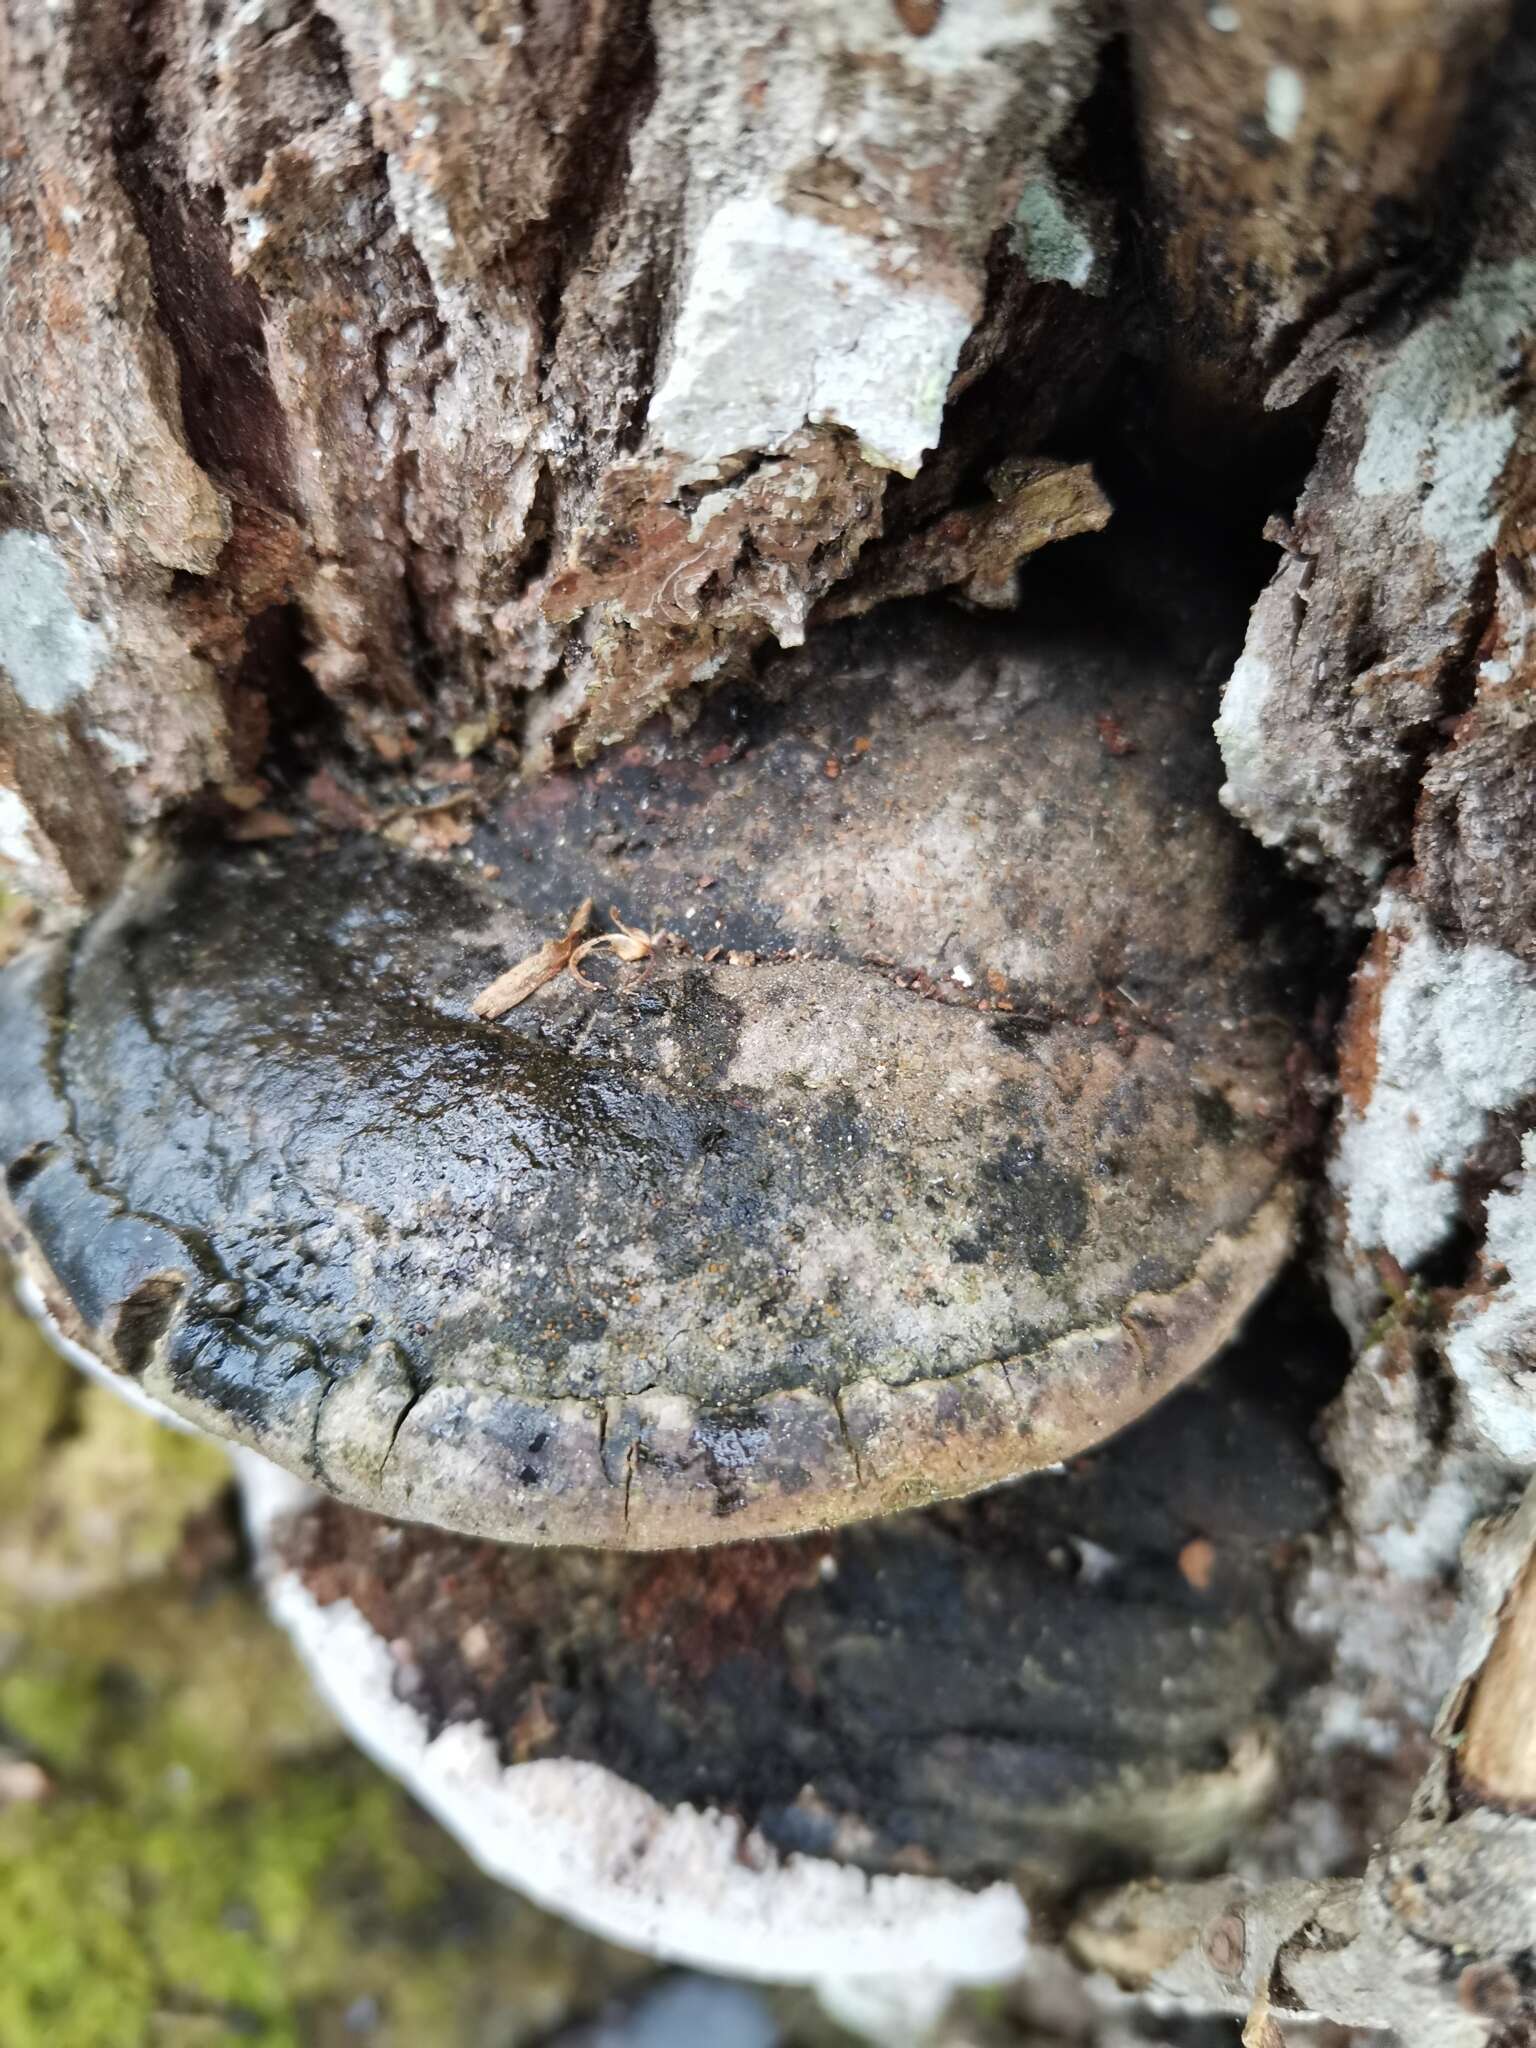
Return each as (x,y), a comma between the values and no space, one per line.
(50,652)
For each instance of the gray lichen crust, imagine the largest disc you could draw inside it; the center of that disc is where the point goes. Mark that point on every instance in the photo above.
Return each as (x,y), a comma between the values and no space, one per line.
(967,1148)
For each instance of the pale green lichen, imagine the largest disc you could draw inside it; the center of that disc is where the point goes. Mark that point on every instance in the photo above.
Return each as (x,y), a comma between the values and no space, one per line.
(1441,417)
(1054,246)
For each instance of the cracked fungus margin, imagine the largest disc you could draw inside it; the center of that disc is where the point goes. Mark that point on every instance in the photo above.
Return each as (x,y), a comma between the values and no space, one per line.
(910,1454)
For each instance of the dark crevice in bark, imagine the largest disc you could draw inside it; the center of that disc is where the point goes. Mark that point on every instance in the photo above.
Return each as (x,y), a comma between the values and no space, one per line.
(415,321)
(1496,120)
(1198,480)
(588,206)
(231,416)
(538,533)
(647,308)
(1452,1264)
(1014,393)
(589,192)
(427,659)
(1455,686)
(1422,245)
(305,726)
(1419,244)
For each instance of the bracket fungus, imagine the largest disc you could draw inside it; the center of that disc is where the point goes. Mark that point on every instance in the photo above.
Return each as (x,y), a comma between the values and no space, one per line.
(875,1750)
(944,1137)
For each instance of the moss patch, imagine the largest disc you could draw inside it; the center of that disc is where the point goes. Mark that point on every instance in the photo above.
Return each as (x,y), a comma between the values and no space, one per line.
(92,1495)
(211,1864)
(214,1865)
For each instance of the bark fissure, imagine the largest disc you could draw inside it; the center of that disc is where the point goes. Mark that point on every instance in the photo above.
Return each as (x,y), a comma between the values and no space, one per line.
(234,424)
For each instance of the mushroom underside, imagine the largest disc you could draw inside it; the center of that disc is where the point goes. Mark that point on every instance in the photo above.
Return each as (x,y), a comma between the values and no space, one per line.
(875,1749)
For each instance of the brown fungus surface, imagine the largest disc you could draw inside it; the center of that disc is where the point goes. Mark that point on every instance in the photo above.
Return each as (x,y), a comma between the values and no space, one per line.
(945,1136)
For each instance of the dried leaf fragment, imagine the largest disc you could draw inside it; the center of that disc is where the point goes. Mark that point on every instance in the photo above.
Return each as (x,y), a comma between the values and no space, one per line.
(334,804)
(1498,1756)
(626,943)
(1197,1563)
(253,826)
(434,827)
(531,973)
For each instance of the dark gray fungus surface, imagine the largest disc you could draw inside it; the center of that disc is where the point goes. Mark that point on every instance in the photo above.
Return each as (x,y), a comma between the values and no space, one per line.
(808,1231)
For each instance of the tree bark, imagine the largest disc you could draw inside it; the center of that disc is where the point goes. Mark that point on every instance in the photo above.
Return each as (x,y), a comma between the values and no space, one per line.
(397,401)
(503,370)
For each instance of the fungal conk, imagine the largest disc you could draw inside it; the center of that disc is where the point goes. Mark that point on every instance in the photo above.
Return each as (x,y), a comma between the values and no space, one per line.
(870,1750)
(938,1133)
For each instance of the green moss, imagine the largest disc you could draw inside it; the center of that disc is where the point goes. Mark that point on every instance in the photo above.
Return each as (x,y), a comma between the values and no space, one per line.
(110,1917)
(71,1966)
(267,1922)
(49,1715)
(92,1494)
(38,1388)
(215,1865)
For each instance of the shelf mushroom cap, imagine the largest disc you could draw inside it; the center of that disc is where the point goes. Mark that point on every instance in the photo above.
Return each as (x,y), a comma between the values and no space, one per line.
(945,1137)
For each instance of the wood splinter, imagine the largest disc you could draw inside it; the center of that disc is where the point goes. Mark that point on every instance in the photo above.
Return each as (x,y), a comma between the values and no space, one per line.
(531,973)
(627,943)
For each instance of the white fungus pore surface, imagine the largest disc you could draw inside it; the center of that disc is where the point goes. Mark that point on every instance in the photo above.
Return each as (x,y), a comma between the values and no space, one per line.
(682,1885)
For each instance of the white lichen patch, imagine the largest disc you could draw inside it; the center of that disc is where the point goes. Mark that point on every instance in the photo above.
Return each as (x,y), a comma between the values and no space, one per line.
(1440,421)
(397,78)
(1287,794)
(1285,99)
(1240,731)
(787,319)
(123,751)
(966,35)
(50,652)
(683,1885)
(1491,1348)
(1053,244)
(1456,1044)
(18,844)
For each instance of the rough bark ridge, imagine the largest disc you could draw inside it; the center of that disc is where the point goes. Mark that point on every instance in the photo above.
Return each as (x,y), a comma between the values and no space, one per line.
(486,354)
(1378,728)
(1433,1941)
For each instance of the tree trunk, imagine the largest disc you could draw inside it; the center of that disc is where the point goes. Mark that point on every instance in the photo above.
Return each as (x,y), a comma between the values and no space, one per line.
(402,403)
